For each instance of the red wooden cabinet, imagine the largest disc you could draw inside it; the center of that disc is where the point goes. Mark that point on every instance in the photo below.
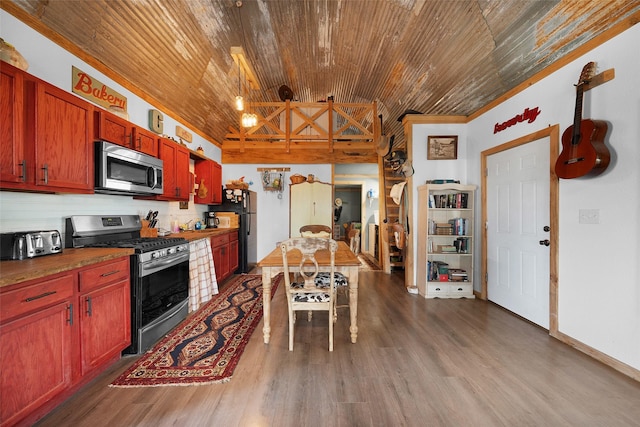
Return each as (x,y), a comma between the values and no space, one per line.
(145,141)
(105,314)
(176,177)
(62,141)
(57,333)
(209,180)
(234,255)
(115,129)
(48,148)
(225,254)
(37,346)
(112,128)
(12,150)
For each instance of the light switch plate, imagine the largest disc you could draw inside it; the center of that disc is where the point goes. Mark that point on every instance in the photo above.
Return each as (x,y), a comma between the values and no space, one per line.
(589,216)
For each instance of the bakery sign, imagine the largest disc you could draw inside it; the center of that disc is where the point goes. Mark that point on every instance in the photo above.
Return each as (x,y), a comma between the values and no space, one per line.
(90,88)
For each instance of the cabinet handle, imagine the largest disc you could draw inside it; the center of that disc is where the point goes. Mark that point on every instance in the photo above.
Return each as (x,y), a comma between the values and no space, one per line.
(23,172)
(89,306)
(46,294)
(130,140)
(110,273)
(70,319)
(139,140)
(45,174)
(177,191)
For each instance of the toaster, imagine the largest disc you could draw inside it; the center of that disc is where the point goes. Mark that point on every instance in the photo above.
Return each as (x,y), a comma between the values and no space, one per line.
(29,244)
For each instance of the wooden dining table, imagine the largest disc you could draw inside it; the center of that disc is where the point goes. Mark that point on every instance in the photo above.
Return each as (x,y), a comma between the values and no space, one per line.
(346,262)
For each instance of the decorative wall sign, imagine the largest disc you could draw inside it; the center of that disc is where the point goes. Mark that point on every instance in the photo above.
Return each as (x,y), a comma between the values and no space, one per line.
(155,121)
(442,147)
(528,115)
(183,134)
(90,88)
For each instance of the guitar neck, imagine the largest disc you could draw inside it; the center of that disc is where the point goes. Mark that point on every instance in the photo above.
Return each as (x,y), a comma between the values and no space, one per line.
(577,116)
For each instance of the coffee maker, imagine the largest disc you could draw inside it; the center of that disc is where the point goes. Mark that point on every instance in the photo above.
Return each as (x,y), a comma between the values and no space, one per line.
(210,220)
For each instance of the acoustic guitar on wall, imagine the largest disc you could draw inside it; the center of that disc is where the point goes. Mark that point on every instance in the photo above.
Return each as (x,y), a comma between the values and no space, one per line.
(583,149)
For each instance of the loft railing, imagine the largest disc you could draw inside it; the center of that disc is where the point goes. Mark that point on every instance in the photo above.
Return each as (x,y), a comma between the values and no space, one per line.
(319,125)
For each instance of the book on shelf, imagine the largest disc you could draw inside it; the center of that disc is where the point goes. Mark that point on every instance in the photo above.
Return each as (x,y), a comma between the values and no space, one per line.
(443,181)
(458,275)
(435,269)
(449,201)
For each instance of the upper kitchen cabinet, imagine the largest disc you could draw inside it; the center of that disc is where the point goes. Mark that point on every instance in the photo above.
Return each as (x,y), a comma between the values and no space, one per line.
(209,182)
(12,162)
(176,179)
(310,203)
(112,128)
(50,150)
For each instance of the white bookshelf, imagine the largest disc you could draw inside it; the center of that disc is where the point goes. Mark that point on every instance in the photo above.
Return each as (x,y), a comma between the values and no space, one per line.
(445,240)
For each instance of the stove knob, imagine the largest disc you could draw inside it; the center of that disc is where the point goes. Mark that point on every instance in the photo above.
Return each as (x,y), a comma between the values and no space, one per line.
(170,251)
(156,255)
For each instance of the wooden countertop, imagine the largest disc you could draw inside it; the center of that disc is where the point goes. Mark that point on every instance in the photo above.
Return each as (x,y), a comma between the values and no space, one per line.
(201,234)
(12,272)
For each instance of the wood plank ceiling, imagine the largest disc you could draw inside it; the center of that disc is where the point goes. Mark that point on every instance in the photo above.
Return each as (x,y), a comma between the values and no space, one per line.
(434,56)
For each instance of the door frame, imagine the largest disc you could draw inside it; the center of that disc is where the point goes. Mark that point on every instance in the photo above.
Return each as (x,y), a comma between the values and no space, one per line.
(553,133)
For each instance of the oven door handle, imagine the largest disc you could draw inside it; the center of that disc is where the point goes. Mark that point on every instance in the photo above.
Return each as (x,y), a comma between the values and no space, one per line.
(155,266)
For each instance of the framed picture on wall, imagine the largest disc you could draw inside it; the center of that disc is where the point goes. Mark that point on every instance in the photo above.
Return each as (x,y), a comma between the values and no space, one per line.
(442,147)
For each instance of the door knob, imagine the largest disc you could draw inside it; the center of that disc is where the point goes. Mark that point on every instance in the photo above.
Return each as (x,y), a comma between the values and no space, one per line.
(547,228)
(545,242)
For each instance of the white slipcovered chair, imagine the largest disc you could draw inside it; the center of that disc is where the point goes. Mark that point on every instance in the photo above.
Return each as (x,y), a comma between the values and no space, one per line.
(304,290)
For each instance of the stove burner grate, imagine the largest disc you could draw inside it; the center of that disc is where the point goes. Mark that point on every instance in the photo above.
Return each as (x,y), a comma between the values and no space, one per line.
(142,244)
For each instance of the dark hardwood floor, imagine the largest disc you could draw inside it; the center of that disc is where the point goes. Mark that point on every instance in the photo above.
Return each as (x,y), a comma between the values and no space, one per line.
(417,362)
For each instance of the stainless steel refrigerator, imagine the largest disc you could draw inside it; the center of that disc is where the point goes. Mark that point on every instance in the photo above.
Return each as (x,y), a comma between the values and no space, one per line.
(244,203)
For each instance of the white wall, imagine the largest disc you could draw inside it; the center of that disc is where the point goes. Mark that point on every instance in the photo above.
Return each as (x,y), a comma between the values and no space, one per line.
(599,278)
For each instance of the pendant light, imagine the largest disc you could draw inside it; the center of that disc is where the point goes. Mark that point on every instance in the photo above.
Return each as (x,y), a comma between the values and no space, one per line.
(239,98)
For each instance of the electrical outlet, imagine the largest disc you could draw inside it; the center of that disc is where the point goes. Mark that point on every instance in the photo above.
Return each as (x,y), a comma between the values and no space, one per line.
(589,216)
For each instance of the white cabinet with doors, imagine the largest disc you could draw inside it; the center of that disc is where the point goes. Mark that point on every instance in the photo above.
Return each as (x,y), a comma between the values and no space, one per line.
(445,240)
(310,203)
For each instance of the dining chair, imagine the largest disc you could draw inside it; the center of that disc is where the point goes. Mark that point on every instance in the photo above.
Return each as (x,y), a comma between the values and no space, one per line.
(304,292)
(315,230)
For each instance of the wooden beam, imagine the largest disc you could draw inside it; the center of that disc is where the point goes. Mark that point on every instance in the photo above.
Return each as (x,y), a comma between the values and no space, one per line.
(240,58)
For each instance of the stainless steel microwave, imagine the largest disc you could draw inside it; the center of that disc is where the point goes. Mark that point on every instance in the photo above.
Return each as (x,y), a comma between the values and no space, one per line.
(121,170)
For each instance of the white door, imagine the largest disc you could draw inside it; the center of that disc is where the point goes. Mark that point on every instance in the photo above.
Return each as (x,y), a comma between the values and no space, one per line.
(517,214)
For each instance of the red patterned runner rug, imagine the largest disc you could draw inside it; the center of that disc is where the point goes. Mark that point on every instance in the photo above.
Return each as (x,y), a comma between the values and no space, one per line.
(206,347)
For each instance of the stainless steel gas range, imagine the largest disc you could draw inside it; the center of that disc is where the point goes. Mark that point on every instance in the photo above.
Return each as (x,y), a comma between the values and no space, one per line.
(159,272)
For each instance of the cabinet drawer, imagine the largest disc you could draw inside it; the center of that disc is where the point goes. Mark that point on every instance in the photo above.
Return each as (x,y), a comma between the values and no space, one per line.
(460,289)
(233,236)
(100,275)
(219,240)
(435,290)
(39,295)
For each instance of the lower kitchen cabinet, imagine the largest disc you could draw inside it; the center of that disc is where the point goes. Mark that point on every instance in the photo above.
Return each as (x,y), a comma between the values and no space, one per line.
(36,354)
(225,254)
(105,314)
(59,332)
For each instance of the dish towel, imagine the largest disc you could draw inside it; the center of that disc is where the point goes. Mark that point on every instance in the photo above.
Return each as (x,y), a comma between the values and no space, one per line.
(396,192)
(203,283)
